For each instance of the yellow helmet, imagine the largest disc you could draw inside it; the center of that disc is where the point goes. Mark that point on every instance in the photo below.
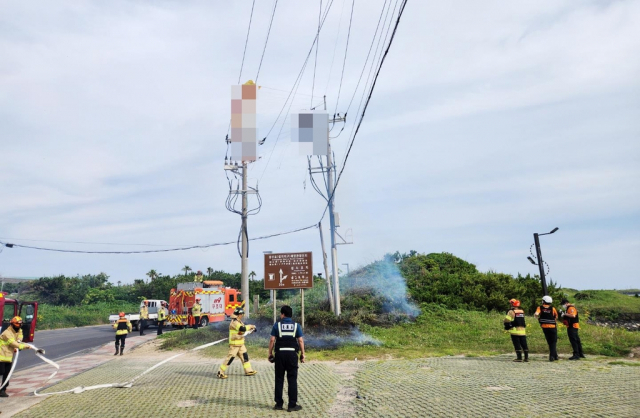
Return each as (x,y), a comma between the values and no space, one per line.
(16,320)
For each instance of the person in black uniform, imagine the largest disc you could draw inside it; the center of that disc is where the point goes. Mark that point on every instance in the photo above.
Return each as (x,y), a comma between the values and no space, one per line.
(286,338)
(547,317)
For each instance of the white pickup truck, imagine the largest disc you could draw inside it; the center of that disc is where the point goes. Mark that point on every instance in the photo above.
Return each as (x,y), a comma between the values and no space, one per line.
(134,318)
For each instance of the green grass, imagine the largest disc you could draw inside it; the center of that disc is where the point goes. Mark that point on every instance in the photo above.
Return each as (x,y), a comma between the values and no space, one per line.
(624,363)
(438,333)
(604,303)
(53,317)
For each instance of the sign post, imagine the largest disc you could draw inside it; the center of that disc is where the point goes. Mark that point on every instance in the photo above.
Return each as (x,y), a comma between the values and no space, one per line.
(273,292)
(302,304)
(288,271)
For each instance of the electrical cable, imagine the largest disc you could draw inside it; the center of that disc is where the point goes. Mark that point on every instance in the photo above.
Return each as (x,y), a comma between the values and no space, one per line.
(313,181)
(301,70)
(364,66)
(373,85)
(378,51)
(246,41)
(244,53)
(87,242)
(315,63)
(344,61)
(368,54)
(156,251)
(273,13)
(281,128)
(335,48)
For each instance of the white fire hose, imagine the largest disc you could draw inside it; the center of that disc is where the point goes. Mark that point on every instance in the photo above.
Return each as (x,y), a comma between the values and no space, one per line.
(80,389)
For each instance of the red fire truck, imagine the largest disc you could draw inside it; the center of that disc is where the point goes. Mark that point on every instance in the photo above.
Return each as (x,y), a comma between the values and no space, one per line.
(28,311)
(218,302)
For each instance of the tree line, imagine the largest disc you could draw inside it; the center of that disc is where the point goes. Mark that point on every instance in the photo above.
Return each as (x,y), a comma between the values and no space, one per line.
(385,285)
(89,288)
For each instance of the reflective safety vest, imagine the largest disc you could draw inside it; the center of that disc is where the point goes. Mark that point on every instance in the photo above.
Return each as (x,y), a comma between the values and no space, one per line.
(161,314)
(196,310)
(122,326)
(9,341)
(236,327)
(286,339)
(518,326)
(572,322)
(144,313)
(547,318)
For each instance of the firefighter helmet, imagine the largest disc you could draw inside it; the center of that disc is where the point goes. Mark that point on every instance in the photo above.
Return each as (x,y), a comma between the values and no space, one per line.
(146,302)
(238,311)
(198,299)
(16,320)
(547,299)
(121,314)
(514,302)
(199,273)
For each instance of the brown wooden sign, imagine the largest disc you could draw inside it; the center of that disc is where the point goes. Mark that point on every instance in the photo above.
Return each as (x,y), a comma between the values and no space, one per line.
(288,271)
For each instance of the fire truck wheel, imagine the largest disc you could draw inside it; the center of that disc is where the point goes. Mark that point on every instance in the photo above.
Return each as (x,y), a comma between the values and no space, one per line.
(204,321)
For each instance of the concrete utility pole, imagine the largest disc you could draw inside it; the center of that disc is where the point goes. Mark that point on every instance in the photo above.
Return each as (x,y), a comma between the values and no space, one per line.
(330,170)
(244,268)
(244,213)
(332,220)
(326,271)
(332,225)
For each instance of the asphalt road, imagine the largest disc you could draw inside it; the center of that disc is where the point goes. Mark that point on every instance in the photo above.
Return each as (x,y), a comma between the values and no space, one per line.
(60,343)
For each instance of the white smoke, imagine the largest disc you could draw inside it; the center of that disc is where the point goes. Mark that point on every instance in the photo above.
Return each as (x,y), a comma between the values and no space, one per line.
(385,279)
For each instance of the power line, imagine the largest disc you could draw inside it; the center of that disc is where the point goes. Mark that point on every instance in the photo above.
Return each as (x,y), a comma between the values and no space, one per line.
(191,247)
(315,63)
(279,133)
(344,61)
(246,41)
(368,54)
(273,13)
(378,50)
(293,91)
(335,48)
(297,81)
(87,242)
(364,66)
(244,53)
(366,105)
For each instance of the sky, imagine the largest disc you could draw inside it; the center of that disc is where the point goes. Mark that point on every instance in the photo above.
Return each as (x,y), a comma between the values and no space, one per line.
(489,121)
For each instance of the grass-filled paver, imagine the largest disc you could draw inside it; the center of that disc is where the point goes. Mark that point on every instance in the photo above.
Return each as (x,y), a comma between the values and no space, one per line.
(496,387)
(184,389)
(434,387)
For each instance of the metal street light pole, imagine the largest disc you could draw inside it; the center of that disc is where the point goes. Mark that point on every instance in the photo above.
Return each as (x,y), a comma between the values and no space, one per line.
(540,263)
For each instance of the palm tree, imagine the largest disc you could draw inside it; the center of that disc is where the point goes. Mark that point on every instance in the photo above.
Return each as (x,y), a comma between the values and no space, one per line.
(119,283)
(152,274)
(186,270)
(209,272)
(252,274)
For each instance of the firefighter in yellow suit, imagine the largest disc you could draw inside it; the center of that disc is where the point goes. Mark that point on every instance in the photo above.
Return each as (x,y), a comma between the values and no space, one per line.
(122,327)
(196,312)
(10,340)
(236,345)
